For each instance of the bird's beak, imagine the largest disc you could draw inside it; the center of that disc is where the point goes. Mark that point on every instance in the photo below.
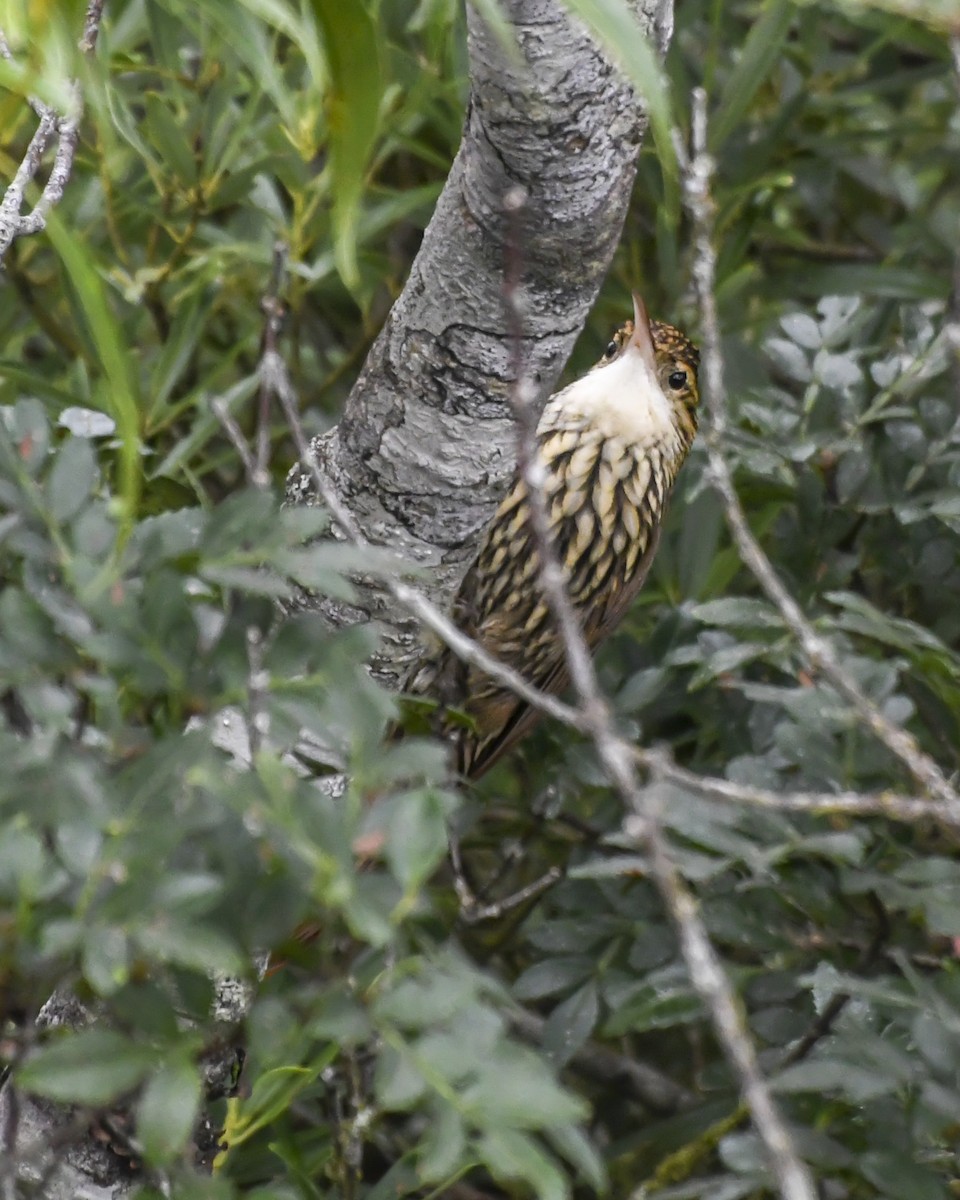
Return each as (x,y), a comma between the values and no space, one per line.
(642,337)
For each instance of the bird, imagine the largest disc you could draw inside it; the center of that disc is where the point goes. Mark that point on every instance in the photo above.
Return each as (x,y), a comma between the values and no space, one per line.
(611,444)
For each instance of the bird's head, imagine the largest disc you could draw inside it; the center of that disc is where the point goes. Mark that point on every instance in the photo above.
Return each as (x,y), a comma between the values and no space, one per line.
(669,356)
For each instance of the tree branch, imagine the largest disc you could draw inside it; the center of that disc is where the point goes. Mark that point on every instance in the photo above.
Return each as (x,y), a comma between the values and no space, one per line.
(66,128)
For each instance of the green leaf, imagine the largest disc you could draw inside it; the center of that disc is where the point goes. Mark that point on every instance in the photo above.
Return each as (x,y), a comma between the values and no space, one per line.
(106,959)
(175,357)
(71,478)
(167,135)
(311,568)
(433,997)
(570,1141)
(353,105)
(896,1174)
(339,1017)
(111,345)
(738,611)
(399,1084)
(517,1091)
(94,1066)
(442,1150)
(831,1075)
(168,1109)
(571,1023)
(416,836)
(23,862)
(272,1094)
(254,581)
(552,975)
(759,53)
(510,1154)
(187,943)
(655,1008)
(940,909)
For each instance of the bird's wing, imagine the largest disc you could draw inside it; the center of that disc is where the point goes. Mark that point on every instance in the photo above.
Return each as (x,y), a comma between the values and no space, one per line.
(508,718)
(605,616)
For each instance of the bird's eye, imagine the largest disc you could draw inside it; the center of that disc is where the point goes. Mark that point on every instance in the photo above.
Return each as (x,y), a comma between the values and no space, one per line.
(611,350)
(677,380)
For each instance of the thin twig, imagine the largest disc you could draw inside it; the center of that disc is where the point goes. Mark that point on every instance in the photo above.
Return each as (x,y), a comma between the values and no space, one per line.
(257,466)
(91,26)
(818,650)
(66,127)
(952,327)
(650,1087)
(258,681)
(703,964)
(10,220)
(473,912)
(827,1018)
(853,804)
(59,177)
(218,406)
(274,313)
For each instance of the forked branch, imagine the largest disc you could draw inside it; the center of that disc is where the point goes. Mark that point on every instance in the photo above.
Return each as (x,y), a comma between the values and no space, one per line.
(61,128)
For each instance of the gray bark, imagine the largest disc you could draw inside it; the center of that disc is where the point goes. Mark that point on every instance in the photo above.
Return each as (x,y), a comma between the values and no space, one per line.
(426,444)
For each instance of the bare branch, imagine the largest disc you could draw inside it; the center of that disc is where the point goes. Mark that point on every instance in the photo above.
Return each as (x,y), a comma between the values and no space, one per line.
(11,223)
(91,26)
(258,723)
(255,477)
(69,133)
(818,650)
(66,129)
(273,313)
(856,804)
(952,327)
(472,912)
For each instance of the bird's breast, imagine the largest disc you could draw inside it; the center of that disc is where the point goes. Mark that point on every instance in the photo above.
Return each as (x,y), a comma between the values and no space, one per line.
(605,500)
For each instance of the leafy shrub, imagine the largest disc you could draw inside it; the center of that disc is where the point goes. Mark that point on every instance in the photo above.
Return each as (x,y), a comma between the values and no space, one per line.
(403,1049)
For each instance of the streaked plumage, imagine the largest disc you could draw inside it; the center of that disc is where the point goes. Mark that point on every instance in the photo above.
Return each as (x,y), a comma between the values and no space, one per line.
(612,444)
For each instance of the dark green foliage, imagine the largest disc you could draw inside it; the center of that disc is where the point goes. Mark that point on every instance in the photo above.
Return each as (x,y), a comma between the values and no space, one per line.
(139,585)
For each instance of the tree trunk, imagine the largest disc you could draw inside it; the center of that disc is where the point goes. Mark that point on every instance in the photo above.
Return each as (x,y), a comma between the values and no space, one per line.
(426,444)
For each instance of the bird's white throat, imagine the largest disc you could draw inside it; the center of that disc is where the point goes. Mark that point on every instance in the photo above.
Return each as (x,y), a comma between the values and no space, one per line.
(622,399)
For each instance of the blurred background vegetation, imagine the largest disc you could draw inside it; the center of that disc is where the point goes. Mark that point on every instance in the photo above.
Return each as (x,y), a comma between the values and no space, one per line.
(134,562)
